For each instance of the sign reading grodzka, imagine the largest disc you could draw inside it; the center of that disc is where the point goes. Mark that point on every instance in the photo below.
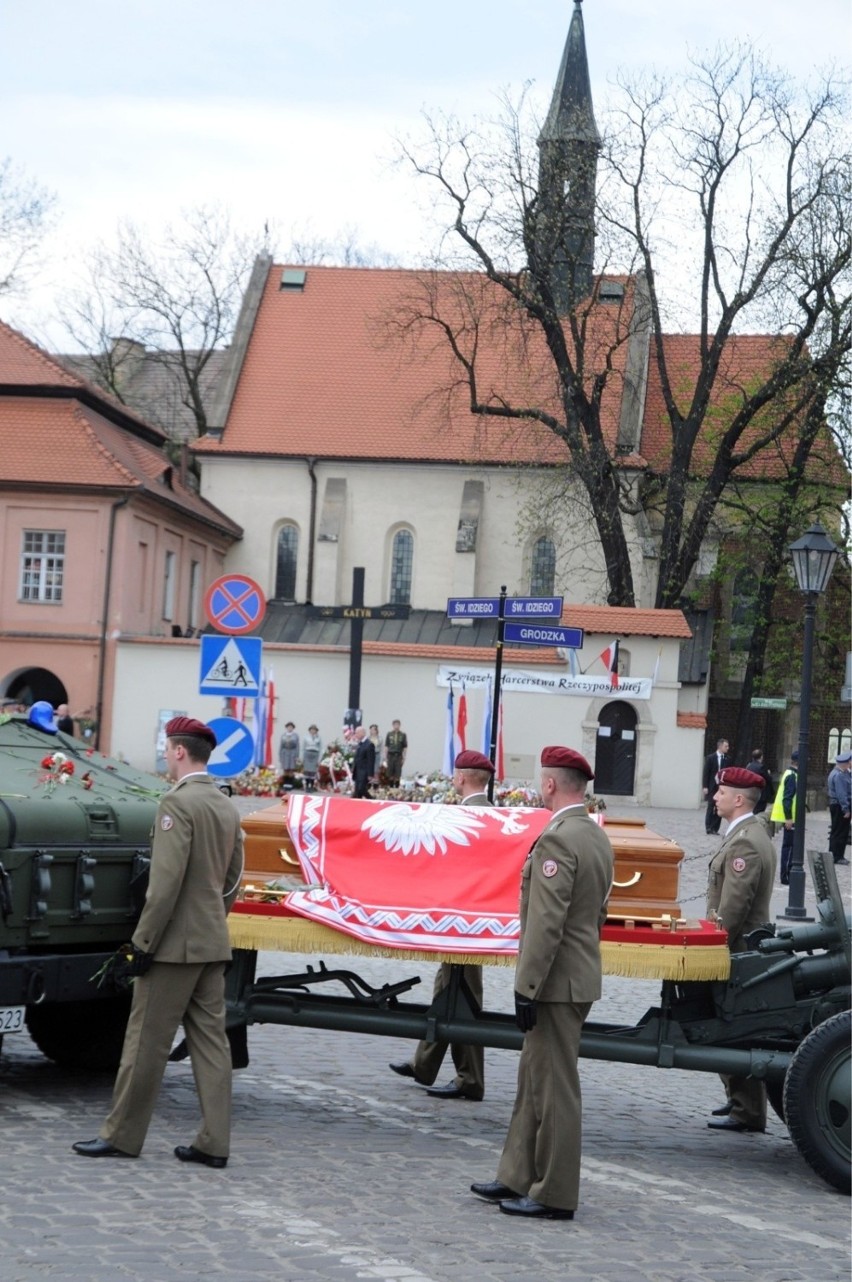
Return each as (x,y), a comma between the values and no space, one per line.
(546,683)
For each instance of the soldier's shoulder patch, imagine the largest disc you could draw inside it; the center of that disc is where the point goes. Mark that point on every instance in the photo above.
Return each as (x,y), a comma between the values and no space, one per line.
(738,864)
(166,823)
(550,868)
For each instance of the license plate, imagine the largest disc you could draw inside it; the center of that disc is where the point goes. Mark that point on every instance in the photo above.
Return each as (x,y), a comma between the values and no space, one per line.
(11,1019)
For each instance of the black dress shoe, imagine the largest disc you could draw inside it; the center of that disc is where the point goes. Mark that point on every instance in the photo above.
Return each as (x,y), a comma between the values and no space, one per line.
(186,1153)
(181,1051)
(530,1207)
(843,862)
(404,1069)
(99,1148)
(451,1091)
(729,1124)
(493,1192)
(724,1110)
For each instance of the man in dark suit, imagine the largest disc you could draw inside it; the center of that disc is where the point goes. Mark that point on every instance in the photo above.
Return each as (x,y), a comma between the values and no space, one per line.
(565,884)
(178,954)
(738,892)
(470,779)
(713,764)
(364,763)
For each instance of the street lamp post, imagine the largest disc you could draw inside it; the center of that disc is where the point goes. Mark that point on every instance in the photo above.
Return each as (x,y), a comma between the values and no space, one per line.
(813,557)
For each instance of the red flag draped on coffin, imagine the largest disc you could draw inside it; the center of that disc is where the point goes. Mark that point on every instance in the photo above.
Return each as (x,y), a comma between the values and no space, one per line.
(409,875)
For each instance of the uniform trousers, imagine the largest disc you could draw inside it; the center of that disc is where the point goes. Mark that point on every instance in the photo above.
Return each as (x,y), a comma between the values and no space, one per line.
(469,1061)
(169,993)
(748,1098)
(541,1155)
(838,837)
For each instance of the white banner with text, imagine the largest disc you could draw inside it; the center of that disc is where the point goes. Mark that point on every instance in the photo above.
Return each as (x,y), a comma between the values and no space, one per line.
(522,682)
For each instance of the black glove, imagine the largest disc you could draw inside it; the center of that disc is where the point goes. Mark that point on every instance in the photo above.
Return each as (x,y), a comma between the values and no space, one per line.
(526,1012)
(122,968)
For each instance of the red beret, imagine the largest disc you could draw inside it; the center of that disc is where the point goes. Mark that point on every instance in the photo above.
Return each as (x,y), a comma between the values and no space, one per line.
(566,759)
(188,725)
(469,760)
(739,777)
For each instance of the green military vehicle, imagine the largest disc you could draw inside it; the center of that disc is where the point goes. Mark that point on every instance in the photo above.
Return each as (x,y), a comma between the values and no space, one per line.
(75,831)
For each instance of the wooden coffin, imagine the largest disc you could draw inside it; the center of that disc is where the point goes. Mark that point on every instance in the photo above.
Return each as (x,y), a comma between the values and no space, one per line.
(647,870)
(647,866)
(269,851)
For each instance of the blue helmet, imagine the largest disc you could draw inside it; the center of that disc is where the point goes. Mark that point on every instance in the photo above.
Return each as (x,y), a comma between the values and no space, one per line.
(41,716)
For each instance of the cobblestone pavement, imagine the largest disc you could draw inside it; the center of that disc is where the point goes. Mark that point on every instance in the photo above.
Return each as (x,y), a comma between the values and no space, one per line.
(342,1171)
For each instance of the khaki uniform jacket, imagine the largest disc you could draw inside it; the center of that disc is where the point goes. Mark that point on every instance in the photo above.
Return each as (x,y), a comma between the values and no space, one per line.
(565,884)
(196,856)
(742,873)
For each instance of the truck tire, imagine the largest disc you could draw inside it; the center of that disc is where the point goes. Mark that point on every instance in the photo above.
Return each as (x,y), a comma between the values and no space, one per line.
(817,1103)
(85,1035)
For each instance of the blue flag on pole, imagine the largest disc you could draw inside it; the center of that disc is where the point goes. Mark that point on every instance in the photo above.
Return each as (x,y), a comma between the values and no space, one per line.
(260,724)
(486,720)
(449,763)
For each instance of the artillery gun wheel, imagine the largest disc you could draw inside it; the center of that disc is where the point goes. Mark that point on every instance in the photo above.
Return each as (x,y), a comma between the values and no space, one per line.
(817,1102)
(85,1035)
(775,1095)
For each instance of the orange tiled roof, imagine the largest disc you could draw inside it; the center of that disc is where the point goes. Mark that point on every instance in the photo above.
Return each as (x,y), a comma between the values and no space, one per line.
(746,365)
(24,364)
(692,720)
(328,373)
(625,621)
(50,442)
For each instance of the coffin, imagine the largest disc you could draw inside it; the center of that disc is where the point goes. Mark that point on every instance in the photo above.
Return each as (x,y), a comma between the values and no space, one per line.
(645,886)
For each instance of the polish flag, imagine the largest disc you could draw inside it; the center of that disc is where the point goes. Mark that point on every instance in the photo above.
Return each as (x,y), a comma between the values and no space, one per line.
(609,658)
(270,718)
(461,723)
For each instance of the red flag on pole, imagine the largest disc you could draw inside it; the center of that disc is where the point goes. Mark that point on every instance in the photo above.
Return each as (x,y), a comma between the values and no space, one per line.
(268,757)
(461,723)
(609,658)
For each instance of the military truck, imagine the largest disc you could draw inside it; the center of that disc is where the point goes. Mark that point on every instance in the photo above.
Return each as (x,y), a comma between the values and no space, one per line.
(75,831)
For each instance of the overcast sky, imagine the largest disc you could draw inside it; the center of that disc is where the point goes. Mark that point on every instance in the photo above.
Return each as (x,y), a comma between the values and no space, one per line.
(286,110)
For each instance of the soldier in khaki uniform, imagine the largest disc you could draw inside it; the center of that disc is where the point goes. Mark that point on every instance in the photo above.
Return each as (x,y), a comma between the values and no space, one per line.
(564,888)
(179,951)
(470,778)
(738,893)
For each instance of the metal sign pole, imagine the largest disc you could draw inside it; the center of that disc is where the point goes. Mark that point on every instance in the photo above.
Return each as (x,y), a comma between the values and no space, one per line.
(498,677)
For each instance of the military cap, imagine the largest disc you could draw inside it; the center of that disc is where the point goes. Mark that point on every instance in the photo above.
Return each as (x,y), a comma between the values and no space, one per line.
(739,777)
(843,757)
(469,760)
(566,759)
(189,726)
(794,755)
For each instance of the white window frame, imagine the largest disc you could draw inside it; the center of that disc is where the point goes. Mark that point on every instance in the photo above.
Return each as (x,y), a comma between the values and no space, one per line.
(169,581)
(42,567)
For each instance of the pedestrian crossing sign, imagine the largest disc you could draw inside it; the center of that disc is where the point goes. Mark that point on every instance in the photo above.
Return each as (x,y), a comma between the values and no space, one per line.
(230,666)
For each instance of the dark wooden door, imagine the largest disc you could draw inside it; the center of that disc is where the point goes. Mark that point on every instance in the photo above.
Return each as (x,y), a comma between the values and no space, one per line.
(615,750)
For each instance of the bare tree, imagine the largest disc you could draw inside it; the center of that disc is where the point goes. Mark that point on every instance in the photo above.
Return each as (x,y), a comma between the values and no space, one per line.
(174,298)
(725,203)
(26,214)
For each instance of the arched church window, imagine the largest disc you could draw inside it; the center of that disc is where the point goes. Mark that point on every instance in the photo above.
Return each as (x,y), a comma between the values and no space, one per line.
(402,564)
(543,568)
(286,561)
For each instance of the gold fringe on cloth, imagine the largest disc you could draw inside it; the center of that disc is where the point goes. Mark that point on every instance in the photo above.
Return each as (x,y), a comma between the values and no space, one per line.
(635,961)
(669,961)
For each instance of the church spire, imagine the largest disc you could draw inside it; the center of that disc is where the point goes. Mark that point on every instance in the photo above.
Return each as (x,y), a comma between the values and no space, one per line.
(569,143)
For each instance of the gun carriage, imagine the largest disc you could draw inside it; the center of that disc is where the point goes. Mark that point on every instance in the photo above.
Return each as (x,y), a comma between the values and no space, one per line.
(779,1012)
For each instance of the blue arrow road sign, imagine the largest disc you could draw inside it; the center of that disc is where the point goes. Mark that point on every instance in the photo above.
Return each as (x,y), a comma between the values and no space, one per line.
(543,634)
(533,607)
(234,751)
(479,607)
(230,666)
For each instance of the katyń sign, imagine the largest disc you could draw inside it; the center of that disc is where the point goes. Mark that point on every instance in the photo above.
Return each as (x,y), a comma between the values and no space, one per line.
(547,683)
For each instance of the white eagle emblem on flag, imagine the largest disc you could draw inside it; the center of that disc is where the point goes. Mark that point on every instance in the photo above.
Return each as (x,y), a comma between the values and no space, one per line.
(415,828)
